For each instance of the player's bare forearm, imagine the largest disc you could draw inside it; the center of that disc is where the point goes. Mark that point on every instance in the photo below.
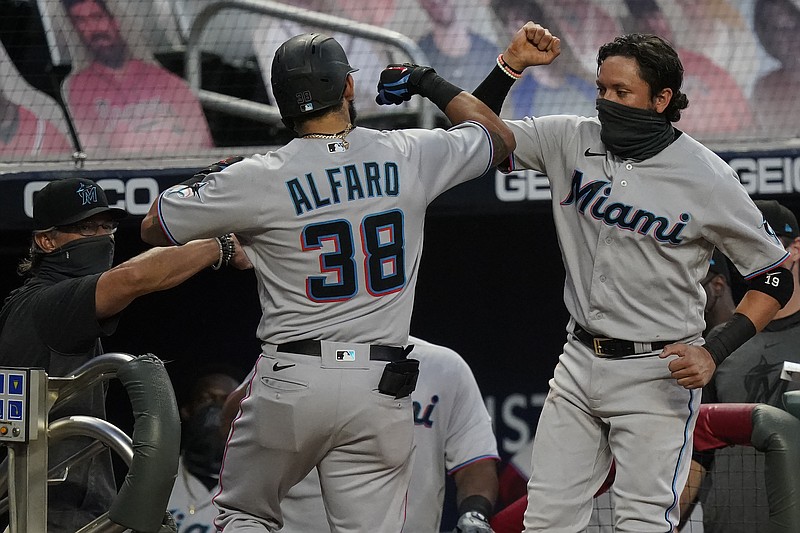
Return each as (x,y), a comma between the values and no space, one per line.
(477,479)
(466,107)
(154,270)
(759,307)
(150,229)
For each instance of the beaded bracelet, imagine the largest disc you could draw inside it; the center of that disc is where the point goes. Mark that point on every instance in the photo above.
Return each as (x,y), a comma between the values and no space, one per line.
(226,250)
(511,72)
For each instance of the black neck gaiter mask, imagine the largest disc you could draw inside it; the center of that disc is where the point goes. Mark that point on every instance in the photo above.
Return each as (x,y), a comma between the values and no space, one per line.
(632,133)
(81,257)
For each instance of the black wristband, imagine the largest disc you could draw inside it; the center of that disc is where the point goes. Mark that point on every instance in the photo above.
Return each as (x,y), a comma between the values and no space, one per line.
(493,89)
(226,250)
(437,89)
(476,503)
(725,339)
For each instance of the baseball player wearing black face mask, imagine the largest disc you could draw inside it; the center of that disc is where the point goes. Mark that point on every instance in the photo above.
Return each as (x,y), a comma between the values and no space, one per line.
(70,299)
(639,207)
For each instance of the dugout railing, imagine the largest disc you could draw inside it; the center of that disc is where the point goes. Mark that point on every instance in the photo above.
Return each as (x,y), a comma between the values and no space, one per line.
(772,432)
(151,453)
(422,109)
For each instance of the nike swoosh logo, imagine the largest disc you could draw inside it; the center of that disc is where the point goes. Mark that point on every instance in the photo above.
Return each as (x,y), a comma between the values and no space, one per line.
(277,367)
(587,153)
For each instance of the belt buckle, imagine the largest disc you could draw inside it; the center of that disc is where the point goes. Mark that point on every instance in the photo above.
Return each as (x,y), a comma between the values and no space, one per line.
(598,346)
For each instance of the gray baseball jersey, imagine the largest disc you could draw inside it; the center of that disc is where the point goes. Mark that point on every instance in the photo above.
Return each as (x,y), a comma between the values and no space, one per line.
(334,230)
(190,503)
(636,238)
(452,429)
(630,230)
(335,234)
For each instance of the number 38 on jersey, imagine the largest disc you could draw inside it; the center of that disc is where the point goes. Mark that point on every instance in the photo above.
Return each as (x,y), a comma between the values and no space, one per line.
(381,250)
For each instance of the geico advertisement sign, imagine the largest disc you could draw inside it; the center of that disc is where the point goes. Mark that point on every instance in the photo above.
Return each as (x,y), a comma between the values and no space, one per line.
(759,175)
(134,195)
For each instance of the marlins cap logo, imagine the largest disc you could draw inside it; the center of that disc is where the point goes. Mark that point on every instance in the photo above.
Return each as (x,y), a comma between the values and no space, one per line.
(88,194)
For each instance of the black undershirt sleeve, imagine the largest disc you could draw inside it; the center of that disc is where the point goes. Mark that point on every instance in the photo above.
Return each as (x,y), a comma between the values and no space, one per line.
(493,89)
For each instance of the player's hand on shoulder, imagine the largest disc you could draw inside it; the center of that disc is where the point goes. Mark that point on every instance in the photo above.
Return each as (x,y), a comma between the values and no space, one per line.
(693,368)
(240,260)
(472,522)
(532,45)
(219,166)
(398,83)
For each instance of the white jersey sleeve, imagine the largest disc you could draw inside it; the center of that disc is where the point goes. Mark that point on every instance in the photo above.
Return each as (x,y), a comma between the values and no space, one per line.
(740,231)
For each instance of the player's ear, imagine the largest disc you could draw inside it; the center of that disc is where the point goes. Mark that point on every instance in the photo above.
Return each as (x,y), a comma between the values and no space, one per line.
(349,88)
(45,241)
(662,99)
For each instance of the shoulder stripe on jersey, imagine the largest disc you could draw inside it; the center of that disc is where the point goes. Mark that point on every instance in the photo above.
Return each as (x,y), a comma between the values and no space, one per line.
(767,269)
(489,457)
(163,224)
(491,145)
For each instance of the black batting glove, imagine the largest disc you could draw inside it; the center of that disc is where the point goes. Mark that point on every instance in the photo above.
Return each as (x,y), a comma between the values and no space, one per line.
(219,166)
(472,522)
(398,83)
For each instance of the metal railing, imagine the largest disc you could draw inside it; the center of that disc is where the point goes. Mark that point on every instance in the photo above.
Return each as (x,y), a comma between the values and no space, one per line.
(151,454)
(269,114)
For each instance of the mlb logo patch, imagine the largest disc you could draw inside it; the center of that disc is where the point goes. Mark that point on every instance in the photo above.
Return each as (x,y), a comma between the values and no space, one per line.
(336,147)
(345,355)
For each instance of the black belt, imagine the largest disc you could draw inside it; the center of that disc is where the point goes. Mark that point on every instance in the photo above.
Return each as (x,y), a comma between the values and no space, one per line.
(376,352)
(605,347)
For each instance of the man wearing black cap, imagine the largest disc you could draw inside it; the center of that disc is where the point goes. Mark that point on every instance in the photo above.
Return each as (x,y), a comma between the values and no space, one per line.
(71,298)
(752,373)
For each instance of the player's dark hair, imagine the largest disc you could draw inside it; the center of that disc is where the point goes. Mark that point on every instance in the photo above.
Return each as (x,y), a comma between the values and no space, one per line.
(659,66)
(32,260)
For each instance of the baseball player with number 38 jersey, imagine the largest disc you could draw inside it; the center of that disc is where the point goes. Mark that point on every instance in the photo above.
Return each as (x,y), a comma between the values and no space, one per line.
(333,225)
(638,207)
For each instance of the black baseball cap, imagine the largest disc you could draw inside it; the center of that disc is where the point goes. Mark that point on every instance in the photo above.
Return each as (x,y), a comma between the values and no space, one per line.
(780,218)
(66,201)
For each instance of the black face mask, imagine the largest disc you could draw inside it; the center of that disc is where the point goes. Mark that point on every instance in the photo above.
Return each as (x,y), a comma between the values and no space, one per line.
(81,257)
(632,133)
(203,445)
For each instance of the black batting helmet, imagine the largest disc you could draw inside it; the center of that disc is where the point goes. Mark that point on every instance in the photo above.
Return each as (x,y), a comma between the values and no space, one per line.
(309,72)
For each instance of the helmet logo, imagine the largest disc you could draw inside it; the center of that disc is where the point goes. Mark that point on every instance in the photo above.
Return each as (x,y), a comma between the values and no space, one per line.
(304,100)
